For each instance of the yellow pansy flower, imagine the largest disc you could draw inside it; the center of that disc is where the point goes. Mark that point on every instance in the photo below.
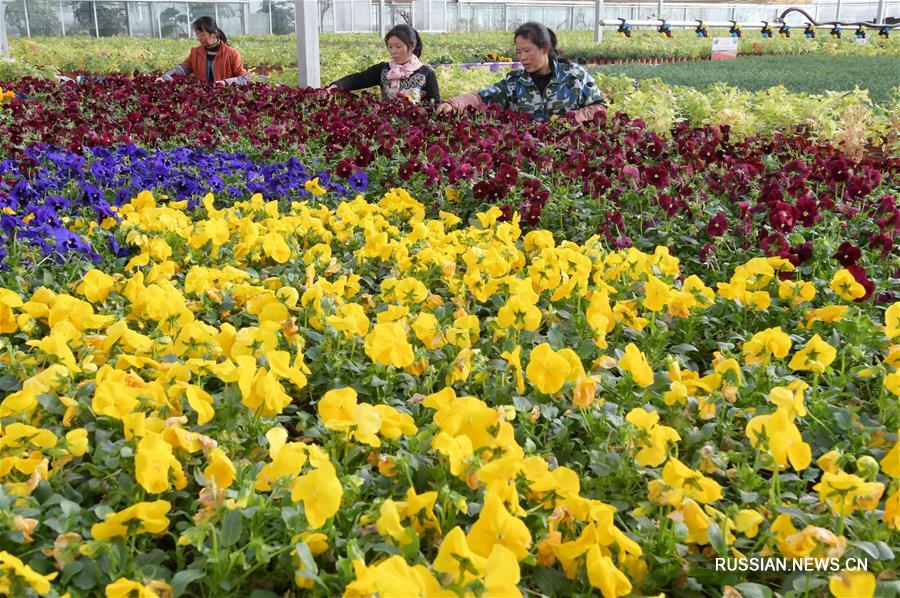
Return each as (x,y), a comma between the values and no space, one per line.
(313,187)
(892,321)
(350,319)
(151,515)
(96,285)
(635,363)
(321,493)
(152,461)
(125,588)
(78,442)
(547,369)
(845,286)
(502,575)
(220,469)
(845,492)
(39,583)
(387,344)
(768,343)
(852,584)
(782,439)
(457,560)
(603,574)
(814,357)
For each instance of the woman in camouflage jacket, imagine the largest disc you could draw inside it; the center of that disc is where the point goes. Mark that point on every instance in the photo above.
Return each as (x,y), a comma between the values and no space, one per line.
(546,85)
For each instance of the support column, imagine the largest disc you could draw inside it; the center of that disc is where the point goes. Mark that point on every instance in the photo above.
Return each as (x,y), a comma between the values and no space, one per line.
(598,21)
(4,43)
(881,8)
(306,27)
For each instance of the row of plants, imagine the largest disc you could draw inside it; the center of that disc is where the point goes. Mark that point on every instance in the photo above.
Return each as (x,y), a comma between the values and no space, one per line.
(271,340)
(702,192)
(343,53)
(849,119)
(808,74)
(267,397)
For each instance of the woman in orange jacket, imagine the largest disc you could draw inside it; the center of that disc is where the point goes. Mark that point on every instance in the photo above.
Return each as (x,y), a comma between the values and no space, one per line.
(213,60)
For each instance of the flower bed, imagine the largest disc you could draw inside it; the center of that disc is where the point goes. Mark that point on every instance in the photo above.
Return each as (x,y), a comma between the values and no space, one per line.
(339,346)
(363,399)
(343,53)
(707,197)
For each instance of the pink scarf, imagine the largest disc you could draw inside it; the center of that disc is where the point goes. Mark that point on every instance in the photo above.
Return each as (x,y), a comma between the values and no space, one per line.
(399,72)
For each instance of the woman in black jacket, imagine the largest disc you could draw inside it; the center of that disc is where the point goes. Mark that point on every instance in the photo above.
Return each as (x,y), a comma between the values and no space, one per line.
(404,75)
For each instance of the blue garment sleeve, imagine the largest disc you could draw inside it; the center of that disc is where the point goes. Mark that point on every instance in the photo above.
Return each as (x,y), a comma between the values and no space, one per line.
(499,93)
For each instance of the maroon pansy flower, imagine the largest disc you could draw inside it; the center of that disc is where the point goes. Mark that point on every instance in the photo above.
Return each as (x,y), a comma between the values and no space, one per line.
(717,225)
(847,254)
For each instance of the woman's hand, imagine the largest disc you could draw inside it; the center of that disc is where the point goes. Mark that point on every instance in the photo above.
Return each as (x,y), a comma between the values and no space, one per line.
(160,80)
(445,108)
(220,84)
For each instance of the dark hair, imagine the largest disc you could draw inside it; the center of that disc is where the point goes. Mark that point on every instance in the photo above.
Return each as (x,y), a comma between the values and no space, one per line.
(409,36)
(540,36)
(208,25)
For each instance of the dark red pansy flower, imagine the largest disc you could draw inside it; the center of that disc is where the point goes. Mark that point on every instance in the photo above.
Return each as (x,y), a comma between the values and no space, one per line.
(783,217)
(344,168)
(717,225)
(530,211)
(803,251)
(507,174)
(837,170)
(657,175)
(847,254)
(808,210)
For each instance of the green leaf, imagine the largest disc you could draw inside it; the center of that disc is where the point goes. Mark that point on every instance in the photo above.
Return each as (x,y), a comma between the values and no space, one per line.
(70,570)
(231,529)
(683,348)
(878,551)
(88,577)
(717,539)
(9,383)
(556,338)
(886,553)
(753,590)
(552,582)
(68,507)
(411,548)
(306,558)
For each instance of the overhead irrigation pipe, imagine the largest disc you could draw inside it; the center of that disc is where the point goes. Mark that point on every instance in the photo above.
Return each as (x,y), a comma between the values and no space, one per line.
(680,24)
(861,26)
(735,28)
